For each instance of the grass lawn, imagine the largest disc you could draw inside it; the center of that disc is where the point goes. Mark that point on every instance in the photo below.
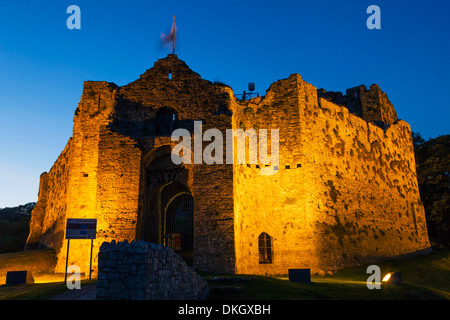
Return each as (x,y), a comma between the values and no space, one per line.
(424,278)
(37,291)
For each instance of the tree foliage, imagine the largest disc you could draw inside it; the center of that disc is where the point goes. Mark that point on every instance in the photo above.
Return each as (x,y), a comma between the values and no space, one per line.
(433,167)
(14,227)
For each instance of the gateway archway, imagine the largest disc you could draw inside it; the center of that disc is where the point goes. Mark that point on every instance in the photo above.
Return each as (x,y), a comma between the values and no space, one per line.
(168,206)
(170,220)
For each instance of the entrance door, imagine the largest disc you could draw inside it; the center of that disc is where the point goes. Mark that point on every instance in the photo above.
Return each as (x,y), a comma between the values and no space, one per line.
(167,216)
(179,226)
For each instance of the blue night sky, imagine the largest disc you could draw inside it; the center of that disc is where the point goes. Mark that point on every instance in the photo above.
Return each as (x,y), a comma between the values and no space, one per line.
(43,64)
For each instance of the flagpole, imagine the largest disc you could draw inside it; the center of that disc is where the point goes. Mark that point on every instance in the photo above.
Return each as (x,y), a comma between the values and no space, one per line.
(173,38)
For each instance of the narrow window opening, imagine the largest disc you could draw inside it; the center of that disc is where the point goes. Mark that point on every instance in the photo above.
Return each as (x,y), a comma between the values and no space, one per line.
(265,248)
(166,121)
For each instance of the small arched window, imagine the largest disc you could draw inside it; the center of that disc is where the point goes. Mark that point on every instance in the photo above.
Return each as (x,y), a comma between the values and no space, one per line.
(166,121)
(265,248)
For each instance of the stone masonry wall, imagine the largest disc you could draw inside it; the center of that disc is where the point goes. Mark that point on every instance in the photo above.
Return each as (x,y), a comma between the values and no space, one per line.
(38,214)
(346,191)
(146,271)
(273,204)
(48,217)
(193,99)
(94,111)
(114,130)
(372,105)
(213,209)
(363,181)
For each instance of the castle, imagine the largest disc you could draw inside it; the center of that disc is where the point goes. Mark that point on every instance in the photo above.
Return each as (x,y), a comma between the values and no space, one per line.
(345,192)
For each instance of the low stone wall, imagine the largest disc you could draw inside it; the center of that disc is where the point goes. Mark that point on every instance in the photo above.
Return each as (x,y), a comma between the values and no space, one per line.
(146,271)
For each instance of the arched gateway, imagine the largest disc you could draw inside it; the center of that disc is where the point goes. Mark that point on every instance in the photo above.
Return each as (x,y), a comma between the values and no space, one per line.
(168,205)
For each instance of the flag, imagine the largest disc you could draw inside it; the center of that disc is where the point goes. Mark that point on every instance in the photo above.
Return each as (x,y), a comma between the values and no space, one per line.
(169,39)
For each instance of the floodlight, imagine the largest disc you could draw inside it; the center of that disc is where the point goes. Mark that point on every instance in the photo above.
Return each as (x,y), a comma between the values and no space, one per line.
(393,278)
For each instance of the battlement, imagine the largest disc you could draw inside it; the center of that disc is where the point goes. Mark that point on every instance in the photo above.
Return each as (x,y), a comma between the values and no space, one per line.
(371,105)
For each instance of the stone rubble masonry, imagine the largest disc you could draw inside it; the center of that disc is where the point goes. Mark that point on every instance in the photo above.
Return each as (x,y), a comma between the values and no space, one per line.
(372,105)
(146,271)
(345,193)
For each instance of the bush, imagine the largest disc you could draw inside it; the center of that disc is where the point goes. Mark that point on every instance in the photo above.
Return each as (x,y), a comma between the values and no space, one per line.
(14,228)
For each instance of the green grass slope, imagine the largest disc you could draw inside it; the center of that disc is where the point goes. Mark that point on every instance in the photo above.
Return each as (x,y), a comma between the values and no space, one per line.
(424,277)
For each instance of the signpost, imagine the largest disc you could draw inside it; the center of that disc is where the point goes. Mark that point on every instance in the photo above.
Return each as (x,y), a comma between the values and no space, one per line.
(80,229)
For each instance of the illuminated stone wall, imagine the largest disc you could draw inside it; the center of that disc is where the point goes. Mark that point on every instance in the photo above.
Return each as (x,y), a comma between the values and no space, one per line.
(93,112)
(275,204)
(145,271)
(213,208)
(102,173)
(48,216)
(372,204)
(345,193)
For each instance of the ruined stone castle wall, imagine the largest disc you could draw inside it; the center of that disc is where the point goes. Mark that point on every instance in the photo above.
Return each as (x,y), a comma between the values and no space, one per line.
(194,99)
(117,193)
(344,187)
(345,191)
(79,198)
(371,104)
(365,188)
(38,214)
(273,204)
(104,181)
(48,217)
(375,204)
(114,130)
(213,209)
